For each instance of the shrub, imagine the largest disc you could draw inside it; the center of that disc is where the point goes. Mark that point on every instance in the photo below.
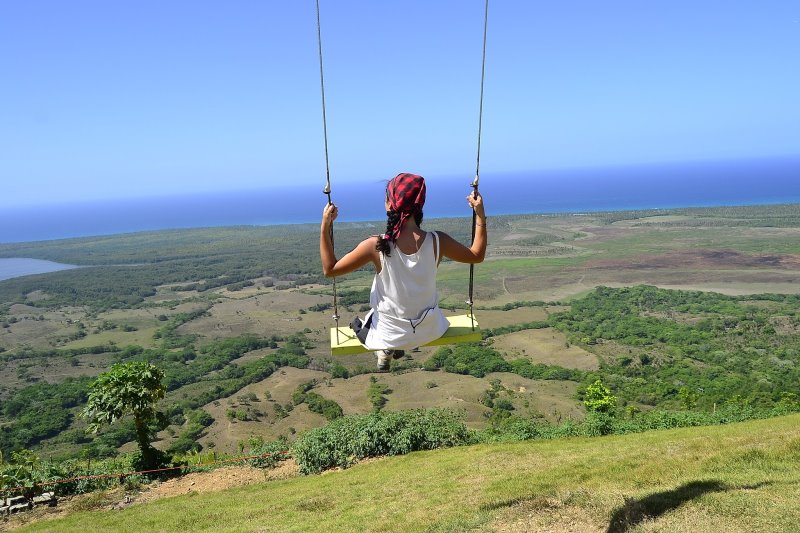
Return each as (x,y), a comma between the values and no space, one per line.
(472,359)
(375,394)
(348,439)
(598,398)
(598,423)
(512,429)
(274,452)
(339,371)
(323,406)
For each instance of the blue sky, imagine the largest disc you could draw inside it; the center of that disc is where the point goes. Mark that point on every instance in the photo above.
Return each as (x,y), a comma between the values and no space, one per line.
(133,99)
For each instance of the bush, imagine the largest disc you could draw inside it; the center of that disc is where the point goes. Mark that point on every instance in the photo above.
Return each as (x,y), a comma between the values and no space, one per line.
(472,359)
(598,423)
(375,394)
(348,439)
(512,429)
(339,371)
(323,406)
(598,399)
(274,452)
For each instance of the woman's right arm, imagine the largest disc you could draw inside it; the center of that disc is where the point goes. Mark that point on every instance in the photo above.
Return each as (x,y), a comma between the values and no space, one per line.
(475,253)
(353,260)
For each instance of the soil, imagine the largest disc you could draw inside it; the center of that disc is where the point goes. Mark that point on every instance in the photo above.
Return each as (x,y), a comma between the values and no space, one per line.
(216,480)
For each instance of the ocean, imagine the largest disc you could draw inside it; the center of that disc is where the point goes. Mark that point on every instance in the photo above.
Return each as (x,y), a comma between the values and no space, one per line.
(745,182)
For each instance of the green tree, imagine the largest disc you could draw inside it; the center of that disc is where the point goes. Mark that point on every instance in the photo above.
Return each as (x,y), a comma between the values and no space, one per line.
(598,398)
(127,389)
(687,398)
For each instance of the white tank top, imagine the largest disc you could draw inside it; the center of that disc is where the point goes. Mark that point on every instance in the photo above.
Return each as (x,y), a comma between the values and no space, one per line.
(404,299)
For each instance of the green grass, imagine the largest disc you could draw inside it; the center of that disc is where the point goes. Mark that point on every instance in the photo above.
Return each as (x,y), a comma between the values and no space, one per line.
(453,279)
(742,477)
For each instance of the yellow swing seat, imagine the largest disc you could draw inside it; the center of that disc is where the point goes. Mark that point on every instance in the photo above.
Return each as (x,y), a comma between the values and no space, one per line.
(460,331)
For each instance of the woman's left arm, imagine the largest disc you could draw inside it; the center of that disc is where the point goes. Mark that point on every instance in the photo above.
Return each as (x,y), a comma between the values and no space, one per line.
(353,260)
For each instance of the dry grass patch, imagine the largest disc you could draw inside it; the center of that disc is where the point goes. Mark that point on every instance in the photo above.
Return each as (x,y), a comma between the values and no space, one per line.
(226,433)
(555,400)
(141,337)
(34,333)
(547,346)
(274,312)
(494,319)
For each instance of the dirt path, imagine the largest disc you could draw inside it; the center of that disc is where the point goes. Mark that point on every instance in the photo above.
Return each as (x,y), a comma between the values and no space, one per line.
(216,480)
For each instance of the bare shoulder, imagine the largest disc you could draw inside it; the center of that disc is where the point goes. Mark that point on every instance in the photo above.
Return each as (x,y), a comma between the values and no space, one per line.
(368,244)
(369,247)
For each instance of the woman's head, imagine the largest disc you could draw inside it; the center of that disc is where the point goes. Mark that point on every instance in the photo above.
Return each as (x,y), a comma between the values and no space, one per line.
(405,197)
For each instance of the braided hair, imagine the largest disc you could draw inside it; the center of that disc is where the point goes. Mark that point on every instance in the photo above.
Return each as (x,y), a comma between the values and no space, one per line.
(392,218)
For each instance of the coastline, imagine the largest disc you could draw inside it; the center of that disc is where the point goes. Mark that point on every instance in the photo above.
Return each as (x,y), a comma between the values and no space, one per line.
(7,246)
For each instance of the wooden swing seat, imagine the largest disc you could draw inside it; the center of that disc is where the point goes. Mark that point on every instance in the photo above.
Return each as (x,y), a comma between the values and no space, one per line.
(460,331)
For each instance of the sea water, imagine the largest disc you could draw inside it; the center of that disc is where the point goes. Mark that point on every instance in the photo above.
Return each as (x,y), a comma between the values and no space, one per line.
(14,267)
(748,182)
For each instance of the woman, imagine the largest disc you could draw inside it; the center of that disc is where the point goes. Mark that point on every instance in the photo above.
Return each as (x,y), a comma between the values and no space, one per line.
(405,305)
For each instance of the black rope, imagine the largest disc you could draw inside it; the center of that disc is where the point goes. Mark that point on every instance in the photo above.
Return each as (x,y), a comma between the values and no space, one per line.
(478,162)
(327,189)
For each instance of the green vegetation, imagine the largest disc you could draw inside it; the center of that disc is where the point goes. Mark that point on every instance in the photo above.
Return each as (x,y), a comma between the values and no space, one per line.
(713,345)
(30,424)
(376,394)
(196,422)
(40,411)
(216,257)
(473,359)
(504,330)
(128,389)
(349,439)
(168,332)
(316,403)
(218,310)
(727,478)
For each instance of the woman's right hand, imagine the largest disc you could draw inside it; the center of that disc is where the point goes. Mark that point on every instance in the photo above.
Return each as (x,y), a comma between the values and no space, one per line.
(329,214)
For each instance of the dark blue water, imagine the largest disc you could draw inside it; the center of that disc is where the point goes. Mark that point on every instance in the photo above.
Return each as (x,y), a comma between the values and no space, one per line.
(662,186)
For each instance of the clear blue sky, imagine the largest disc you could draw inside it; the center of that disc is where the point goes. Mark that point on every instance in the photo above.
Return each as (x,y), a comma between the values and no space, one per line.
(103,99)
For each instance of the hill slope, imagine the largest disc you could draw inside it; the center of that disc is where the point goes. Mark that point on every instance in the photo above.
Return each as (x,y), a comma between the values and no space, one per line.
(741,477)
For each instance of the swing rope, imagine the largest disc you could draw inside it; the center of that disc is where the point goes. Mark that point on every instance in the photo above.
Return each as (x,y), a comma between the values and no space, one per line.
(478,162)
(474,184)
(327,190)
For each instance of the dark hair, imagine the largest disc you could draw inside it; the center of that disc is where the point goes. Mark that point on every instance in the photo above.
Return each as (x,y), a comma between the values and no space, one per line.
(392,218)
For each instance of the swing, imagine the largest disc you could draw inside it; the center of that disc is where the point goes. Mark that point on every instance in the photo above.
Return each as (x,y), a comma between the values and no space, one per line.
(462,328)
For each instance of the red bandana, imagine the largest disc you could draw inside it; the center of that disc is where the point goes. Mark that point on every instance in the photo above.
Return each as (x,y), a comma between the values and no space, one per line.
(406,196)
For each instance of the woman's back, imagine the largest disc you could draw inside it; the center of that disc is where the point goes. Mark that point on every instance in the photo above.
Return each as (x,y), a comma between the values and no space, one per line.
(406,284)
(404,300)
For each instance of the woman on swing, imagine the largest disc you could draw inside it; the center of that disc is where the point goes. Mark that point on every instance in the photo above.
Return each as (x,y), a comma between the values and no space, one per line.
(405,305)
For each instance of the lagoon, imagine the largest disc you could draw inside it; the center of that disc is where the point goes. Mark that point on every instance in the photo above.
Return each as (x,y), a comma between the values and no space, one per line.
(15,267)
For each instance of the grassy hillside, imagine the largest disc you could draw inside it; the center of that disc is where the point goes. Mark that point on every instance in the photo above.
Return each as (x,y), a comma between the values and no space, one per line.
(741,477)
